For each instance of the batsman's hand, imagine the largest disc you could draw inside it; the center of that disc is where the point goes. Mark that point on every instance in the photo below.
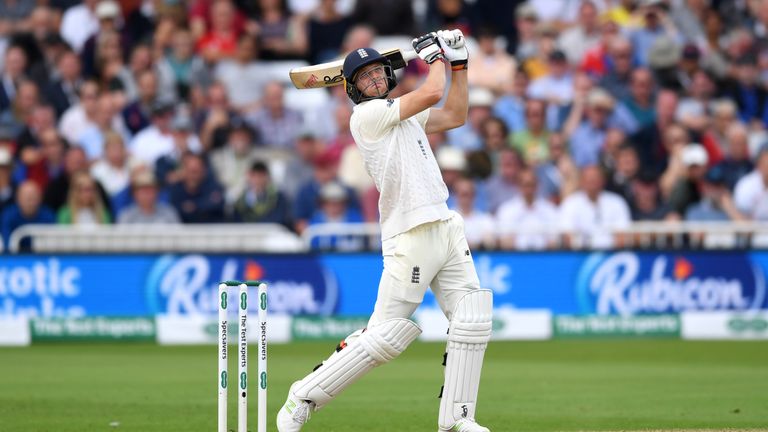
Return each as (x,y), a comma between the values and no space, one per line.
(454,48)
(427,47)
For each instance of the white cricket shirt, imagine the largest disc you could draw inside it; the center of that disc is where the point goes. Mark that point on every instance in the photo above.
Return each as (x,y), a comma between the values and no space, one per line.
(397,156)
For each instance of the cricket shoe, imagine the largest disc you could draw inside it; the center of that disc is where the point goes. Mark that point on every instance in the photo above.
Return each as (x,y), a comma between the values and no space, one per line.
(294,413)
(466,425)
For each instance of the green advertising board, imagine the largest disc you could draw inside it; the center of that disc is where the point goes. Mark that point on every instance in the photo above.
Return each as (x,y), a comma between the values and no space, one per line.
(325,328)
(610,326)
(93,329)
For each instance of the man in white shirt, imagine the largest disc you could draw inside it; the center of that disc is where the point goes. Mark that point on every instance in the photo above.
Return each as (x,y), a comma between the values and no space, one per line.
(524,213)
(423,242)
(751,191)
(592,215)
(157,140)
(78,24)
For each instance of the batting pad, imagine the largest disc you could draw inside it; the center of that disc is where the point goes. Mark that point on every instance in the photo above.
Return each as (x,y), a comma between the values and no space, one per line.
(375,346)
(468,336)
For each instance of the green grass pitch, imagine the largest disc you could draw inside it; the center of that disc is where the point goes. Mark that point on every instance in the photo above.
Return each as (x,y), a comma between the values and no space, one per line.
(526,386)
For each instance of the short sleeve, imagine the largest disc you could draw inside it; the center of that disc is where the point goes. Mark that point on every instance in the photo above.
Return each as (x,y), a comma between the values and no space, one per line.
(373,119)
(422,118)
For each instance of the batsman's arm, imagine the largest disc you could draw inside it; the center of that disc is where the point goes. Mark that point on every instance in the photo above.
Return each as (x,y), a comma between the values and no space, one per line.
(454,112)
(431,91)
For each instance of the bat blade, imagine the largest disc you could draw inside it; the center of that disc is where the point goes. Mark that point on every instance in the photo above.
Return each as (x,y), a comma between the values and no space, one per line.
(330,74)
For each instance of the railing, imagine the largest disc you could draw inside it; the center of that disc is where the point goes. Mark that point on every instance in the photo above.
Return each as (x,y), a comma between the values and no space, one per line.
(157,238)
(274,238)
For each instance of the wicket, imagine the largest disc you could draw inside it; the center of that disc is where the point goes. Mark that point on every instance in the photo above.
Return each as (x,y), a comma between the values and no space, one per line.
(242,364)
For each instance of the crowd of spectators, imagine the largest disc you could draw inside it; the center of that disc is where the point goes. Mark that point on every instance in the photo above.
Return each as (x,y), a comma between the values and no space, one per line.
(585,115)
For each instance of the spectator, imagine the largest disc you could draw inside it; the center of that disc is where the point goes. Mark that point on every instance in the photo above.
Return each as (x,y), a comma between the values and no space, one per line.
(467,137)
(587,135)
(20,112)
(306,201)
(531,142)
(453,165)
(78,23)
(638,111)
(180,64)
(583,36)
(750,193)
(478,225)
(656,25)
(113,170)
(627,169)
(723,116)
(220,41)
(241,76)
(197,197)
(716,202)
(503,186)
(231,163)
(27,210)
(168,166)
(146,208)
(490,65)
(157,140)
(617,80)
(62,92)
(521,221)
(645,199)
(45,163)
(109,21)
(80,117)
(212,119)
(274,122)
(84,205)
(510,106)
(750,96)
(558,176)
(736,163)
(57,192)
(687,190)
(526,20)
(7,188)
(261,201)
(595,61)
(301,163)
(494,133)
(593,217)
(137,115)
(326,28)
(281,36)
(650,141)
(14,65)
(93,139)
(556,87)
(333,208)
(693,110)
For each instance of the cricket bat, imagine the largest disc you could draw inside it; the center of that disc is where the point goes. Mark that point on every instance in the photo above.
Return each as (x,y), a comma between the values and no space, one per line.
(329,74)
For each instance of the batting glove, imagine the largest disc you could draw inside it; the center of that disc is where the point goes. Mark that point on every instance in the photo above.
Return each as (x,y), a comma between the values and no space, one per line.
(454,49)
(427,47)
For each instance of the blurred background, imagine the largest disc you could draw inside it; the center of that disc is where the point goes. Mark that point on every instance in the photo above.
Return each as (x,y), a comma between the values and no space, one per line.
(612,172)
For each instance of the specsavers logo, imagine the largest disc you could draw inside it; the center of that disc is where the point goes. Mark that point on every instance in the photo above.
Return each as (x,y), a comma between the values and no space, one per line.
(188,285)
(628,283)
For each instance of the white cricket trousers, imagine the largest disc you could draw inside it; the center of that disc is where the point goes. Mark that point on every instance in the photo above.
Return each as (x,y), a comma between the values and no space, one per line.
(436,255)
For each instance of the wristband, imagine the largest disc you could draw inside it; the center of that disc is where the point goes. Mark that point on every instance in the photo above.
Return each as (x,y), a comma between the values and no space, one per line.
(458,65)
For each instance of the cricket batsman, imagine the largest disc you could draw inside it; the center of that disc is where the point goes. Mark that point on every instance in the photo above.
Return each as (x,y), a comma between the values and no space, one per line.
(423,242)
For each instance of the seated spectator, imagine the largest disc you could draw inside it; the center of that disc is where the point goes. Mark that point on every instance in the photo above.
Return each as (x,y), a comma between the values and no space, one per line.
(638,110)
(531,142)
(626,170)
(558,176)
(80,116)
(687,189)
(44,163)
(490,66)
(138,114)
(556,87)
(146,209)
(242,76)
(716,202)
(645,199)
(750,192)
(220,41)
(584,35)
(56,193)
(305,204)
(231,163)
(27,210)
(736,163)
(616,80)
(750,96)
(7,189)
(453,165)
(281,35)
(197,197)
(62,91)
(84,204)
(300,166)
(157,140)
(526,212)
(326,29)
(261,201)
(479,226)
(510,106)
(113,170)
(503,186)
(333,208)
(168,166)
(467,136)
(180,64)
(592,216)
(277,124)
(587,135)
(92,139)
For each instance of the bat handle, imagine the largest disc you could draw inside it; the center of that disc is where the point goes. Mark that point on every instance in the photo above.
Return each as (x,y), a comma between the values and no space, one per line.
(409,55)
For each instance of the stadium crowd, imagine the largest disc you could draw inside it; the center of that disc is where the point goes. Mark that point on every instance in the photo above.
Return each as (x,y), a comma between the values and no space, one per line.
(584,115)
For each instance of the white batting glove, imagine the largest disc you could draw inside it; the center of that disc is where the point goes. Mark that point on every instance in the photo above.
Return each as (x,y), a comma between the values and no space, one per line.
(454,49)
(427,47)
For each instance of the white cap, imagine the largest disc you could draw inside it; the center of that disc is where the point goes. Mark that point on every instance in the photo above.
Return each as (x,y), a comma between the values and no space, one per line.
(333,191)
(480,97)
(451,158)
(694,154)
(107,9)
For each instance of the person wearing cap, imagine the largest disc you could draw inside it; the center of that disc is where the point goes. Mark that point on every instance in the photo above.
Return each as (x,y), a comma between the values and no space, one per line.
(687,189)
(79,22)
(333,208)
(261,201)
(526,20)
(587,126)
(146,208)
(423,242)
(556,87)
(28,209)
